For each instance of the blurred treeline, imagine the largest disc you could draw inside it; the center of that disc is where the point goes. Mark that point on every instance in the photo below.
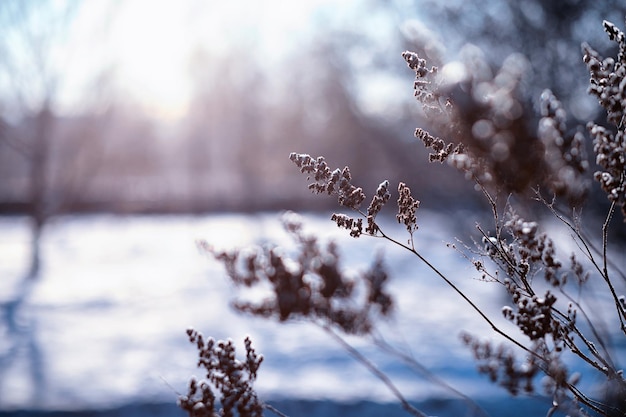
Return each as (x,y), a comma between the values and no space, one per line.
(344,93)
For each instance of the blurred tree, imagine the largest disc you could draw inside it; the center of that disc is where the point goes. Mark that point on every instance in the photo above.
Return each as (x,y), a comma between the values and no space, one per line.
(31,82)
(242,120)
(47,159)
(35,64)
(223,134)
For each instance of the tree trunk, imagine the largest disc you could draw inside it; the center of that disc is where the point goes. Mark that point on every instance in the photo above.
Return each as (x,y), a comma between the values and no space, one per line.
(38,185)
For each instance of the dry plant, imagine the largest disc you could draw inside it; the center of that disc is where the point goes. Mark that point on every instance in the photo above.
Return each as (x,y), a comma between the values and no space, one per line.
(483,130)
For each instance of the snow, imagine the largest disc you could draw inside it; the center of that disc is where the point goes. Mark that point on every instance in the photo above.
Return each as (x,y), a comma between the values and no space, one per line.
(105,325)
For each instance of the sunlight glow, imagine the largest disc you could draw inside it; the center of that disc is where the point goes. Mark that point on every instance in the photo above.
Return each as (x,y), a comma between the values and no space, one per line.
(150,43)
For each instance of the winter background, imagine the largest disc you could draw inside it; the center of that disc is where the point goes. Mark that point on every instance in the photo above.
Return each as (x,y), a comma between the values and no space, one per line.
(131,130)
(105,327)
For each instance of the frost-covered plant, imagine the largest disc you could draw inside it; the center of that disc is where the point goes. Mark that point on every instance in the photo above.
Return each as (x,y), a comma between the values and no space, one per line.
(483,129)
(228,389)
(310,285)
(608,84)
(231,378)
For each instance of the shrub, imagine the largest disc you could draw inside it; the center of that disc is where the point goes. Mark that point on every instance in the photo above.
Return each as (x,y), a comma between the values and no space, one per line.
(483,129)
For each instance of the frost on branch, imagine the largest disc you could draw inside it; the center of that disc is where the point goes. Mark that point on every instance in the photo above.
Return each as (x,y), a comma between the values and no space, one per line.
(311,284)
(608,84)
(407,208)
(226,376)
(337,182)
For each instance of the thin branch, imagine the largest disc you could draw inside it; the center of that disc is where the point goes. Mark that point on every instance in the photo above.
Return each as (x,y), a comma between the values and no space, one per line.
(609,361)
(605,233)
(274,410)
(594,405)
(603,270)
(462,294)
(374,370)
(605,275)
(582,238)
(506,257)
(421,369)
(576,350)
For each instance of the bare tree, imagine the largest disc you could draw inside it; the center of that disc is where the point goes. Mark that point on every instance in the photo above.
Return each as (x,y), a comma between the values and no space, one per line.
(35,60)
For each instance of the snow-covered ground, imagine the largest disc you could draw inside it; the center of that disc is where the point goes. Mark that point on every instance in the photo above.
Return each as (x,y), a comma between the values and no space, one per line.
(105,325)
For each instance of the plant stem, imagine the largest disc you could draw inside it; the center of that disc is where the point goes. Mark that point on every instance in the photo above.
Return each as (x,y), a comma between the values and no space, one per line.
(418,367)
(374,370)
(605,272)
(274,410)
(465,297)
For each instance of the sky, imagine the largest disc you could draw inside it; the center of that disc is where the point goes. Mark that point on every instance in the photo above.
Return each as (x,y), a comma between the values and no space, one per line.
(141,49)
(148,44)
(140,52)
